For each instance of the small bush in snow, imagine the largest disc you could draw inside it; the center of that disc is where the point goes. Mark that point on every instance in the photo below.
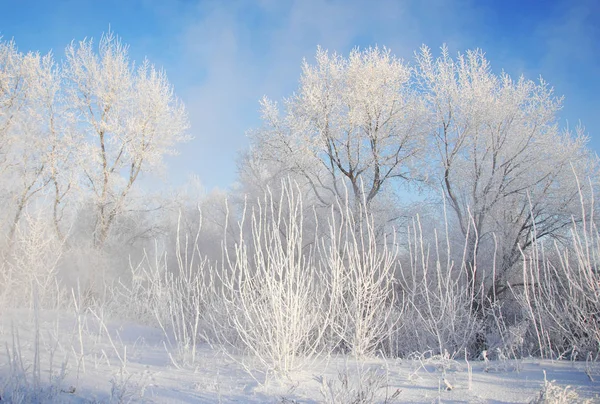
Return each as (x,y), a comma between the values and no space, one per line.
(551,393)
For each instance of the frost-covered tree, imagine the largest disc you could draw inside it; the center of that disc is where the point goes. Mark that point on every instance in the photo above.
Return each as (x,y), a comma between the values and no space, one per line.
(354,121)
(129,118)
(12,95)
(17,80)
(36,142)
(506,169)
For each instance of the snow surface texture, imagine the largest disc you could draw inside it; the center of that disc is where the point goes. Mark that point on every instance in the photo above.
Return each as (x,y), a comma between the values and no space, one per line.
(70,357)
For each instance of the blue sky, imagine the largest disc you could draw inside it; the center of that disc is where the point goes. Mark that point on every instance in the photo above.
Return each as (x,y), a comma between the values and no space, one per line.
(223,56)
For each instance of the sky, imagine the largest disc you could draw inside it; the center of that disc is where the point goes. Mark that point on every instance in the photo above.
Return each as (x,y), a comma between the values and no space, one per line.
(223,56)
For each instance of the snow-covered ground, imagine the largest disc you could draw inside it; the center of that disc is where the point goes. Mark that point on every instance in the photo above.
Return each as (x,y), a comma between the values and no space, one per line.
(90,359)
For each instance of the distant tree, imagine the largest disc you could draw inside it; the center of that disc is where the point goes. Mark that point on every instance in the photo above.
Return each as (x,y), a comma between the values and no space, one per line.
(354,120)
(129,118)
(506,169)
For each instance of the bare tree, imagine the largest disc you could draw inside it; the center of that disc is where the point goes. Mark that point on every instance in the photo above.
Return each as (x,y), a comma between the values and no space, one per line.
(129,117)
(505,167)
(353,120)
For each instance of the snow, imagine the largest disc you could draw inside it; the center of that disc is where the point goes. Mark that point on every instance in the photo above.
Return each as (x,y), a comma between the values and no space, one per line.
(118,361)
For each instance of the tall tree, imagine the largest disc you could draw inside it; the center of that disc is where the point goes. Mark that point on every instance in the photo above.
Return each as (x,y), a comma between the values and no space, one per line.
(354,120)
(129,117)
(506,169)
(12,95)
(34,130)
